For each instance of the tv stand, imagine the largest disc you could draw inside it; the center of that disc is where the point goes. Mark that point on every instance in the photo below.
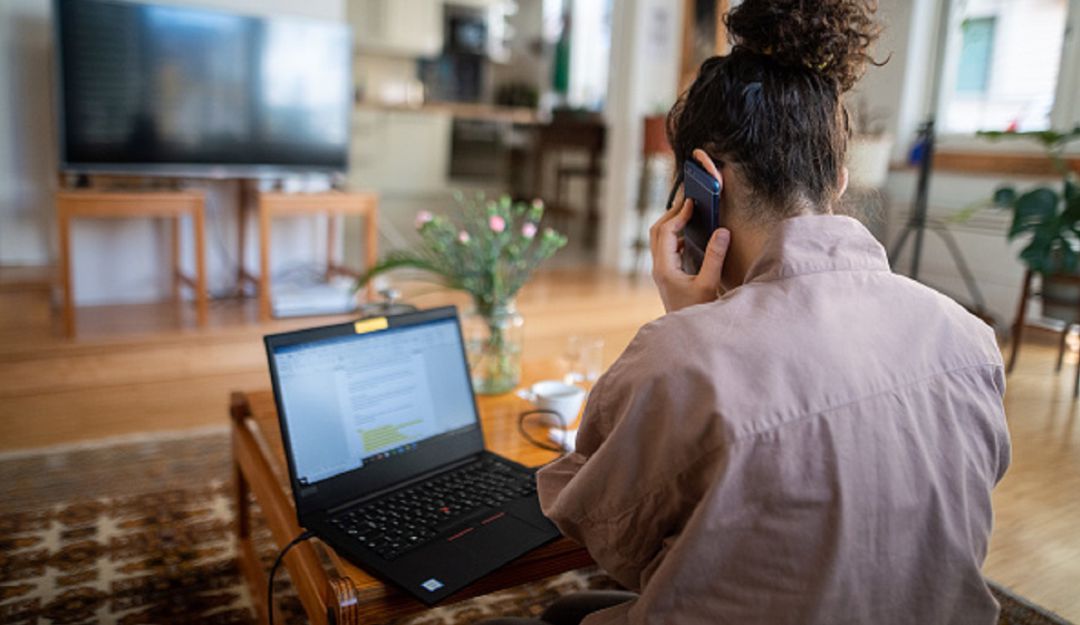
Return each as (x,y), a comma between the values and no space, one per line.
(333,204)
(171,205)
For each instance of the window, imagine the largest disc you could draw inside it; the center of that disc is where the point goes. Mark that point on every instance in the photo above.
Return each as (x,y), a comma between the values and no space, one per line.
(1003,62)
(973,73)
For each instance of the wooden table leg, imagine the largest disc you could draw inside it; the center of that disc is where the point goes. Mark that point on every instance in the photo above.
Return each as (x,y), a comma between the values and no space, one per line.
(200,264)
(250,564)
(264,263)
(176,271)
(1063,341)
(308,576)
(243,196)
(371,251)
(64,225)
(1061,354)
(342,602)
(1018,325)
(331,244)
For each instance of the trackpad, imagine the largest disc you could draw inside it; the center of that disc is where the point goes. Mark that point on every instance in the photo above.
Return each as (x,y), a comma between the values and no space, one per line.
(495,541)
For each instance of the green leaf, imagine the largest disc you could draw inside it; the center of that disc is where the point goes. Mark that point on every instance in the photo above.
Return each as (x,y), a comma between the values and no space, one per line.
(1068,258)
(1050,139)
(1034,256)
(1070,216)
(404,260)
(1033,209)
(1005,197)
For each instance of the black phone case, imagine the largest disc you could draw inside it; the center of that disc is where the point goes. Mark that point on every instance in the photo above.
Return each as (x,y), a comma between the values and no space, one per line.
(704,190)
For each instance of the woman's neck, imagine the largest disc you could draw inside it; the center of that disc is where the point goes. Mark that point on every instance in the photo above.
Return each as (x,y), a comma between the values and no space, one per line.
(747,244)
(748,240)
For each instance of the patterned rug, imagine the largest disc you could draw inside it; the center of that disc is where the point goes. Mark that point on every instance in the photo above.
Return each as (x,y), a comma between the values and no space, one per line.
(139,531)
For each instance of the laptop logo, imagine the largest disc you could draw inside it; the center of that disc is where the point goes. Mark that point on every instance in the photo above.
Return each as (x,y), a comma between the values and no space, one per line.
(432,585)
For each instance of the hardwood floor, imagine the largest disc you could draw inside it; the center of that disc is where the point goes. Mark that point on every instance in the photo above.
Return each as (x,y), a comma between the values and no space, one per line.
(136,369)
(146,368)
(1035,547)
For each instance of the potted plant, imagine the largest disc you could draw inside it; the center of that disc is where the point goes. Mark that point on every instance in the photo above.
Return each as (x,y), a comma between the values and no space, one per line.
(1050,218)
(489,251)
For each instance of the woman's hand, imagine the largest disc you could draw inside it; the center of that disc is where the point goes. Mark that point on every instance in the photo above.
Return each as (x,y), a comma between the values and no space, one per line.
(679,289)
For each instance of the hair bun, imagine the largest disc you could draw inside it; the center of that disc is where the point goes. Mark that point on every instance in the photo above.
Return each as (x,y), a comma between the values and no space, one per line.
(831,37)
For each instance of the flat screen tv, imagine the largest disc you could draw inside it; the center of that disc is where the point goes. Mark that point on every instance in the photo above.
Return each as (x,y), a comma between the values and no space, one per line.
(170,90)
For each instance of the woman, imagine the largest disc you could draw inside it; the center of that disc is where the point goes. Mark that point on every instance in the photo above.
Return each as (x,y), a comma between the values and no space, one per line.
(804,437)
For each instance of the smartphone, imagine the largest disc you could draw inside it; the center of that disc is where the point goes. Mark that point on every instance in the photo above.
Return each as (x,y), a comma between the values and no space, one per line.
(704,190)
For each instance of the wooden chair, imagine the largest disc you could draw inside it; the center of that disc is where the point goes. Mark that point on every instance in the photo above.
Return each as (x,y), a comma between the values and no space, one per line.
(571,132)
(172,205)
(1058,308)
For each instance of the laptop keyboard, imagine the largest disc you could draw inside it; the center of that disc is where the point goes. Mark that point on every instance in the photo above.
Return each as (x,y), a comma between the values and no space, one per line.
(411,517)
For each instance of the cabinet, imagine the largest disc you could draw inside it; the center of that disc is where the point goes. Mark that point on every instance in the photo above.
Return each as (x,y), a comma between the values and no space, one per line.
(397,27)
(400,152)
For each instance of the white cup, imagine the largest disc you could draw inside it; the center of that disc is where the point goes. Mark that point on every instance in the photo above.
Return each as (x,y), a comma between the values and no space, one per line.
(556,396)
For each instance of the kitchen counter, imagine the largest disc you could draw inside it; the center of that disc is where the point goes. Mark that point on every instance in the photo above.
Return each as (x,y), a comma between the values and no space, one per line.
(464,110)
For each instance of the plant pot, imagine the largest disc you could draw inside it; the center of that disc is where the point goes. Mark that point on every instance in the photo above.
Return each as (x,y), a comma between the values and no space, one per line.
(1061,297)
(493,341)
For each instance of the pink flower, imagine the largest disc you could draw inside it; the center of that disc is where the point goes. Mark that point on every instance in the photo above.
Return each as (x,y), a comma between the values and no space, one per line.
(463,237)
(422,218)
(528,230)
(497,223)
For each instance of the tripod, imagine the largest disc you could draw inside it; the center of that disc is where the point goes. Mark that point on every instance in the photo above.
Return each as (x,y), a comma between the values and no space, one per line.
(918,223)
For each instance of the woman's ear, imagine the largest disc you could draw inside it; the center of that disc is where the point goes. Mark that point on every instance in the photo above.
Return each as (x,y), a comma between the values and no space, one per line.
(843,182)
(707,164)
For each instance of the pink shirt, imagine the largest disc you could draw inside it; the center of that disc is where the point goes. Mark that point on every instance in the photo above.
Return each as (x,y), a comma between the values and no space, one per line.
(817,446)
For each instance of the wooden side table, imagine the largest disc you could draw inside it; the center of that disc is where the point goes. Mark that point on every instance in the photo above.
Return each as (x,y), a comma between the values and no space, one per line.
(172,205)
(1047,298)
(331,203)
(344,594)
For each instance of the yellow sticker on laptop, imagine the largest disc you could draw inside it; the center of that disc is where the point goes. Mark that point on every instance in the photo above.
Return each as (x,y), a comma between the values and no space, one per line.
(370,325)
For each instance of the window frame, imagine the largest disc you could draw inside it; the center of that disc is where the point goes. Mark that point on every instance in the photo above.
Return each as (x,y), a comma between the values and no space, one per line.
(1066,109)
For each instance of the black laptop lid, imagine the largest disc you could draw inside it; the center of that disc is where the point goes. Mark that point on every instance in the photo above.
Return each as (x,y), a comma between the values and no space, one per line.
(369,404)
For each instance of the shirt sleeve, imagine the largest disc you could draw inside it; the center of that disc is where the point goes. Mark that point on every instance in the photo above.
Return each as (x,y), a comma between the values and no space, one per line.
(628,485)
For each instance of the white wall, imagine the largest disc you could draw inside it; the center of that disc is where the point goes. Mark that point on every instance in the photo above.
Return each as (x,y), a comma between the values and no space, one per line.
(27,139)
(115,260)
(643,80)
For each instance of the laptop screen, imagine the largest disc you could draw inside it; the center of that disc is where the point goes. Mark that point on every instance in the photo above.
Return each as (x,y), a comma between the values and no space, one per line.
(352,401)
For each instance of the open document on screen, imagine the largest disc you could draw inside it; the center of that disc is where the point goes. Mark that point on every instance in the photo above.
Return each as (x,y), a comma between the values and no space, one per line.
(354,398)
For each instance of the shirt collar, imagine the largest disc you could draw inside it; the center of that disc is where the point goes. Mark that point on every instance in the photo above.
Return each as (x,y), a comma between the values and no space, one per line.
(815,244)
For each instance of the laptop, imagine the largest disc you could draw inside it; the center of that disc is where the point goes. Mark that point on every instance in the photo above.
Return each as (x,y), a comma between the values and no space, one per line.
(386,455)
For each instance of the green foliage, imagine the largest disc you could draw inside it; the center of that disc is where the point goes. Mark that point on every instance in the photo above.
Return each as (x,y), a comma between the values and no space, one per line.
(488,250)
(1049,218)
(1004,197)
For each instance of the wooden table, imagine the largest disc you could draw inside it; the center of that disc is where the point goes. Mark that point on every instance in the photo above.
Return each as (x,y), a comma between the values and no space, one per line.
(343,593)
(98,204)
(333,204)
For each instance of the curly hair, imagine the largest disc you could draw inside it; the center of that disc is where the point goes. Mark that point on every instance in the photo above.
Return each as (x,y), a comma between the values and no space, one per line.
(773,106)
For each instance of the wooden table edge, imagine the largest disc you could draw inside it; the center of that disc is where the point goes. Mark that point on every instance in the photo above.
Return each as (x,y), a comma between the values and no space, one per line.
(336,599)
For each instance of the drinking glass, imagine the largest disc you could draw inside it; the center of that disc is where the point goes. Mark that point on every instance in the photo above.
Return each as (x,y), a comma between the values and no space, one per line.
(583,359)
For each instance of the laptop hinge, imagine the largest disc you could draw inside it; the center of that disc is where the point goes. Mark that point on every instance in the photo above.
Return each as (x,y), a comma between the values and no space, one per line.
(405,483)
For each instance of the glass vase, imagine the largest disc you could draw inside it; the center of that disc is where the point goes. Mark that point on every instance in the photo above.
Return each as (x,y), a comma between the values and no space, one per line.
(493,339)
